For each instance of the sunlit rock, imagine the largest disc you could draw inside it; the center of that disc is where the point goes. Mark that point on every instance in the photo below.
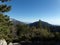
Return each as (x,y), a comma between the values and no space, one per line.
(3,42)
(10,43)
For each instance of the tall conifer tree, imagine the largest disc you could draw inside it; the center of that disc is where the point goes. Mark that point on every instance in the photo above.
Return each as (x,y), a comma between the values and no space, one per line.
(5,23)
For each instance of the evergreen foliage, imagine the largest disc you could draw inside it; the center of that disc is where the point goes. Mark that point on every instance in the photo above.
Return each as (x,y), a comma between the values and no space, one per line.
(5,23)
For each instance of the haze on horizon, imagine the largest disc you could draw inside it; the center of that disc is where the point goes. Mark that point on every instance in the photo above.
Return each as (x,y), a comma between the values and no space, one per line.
(34,10)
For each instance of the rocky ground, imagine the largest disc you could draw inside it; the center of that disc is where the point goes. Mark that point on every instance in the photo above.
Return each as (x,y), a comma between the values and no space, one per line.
(3,42)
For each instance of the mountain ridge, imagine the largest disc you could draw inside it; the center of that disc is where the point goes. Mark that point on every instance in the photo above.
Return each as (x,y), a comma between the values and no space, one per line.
(14,20)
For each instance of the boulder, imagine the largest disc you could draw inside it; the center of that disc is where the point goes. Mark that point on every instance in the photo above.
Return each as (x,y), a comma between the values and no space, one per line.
(10,43)
(3,42)
(16,44)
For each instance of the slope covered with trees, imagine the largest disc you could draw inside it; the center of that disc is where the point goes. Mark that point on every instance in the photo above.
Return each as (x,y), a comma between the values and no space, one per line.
(36,31)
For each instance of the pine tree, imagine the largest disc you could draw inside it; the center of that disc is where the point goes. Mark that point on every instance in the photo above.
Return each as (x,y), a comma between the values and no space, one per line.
(39,24)
(4,0)
(4,7)
(5,23)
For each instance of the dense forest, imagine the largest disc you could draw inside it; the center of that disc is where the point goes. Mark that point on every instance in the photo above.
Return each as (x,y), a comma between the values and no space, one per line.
(39,30)
(16,31)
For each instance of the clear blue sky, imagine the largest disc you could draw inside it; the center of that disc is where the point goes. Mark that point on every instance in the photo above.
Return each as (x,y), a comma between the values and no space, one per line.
(33,10)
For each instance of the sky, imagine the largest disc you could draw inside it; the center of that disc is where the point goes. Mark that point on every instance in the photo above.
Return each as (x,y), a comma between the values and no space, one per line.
(34,10)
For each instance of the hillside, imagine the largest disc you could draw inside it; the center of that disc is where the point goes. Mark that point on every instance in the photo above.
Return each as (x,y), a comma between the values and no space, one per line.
(54,28)
(42,24)
(16,22)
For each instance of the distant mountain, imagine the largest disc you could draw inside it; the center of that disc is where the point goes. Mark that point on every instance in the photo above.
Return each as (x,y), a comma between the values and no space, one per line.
(43,24)
(35,24)
(16,22)
(53,28)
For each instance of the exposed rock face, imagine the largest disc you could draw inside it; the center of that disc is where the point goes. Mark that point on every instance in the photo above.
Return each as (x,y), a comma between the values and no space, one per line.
(3,42)
(10,43)
(16,44)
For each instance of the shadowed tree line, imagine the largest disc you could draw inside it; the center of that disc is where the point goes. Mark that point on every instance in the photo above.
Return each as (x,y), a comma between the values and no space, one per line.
(25,32)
